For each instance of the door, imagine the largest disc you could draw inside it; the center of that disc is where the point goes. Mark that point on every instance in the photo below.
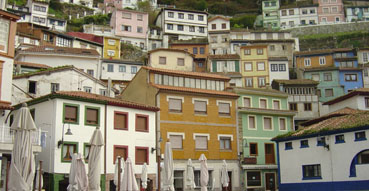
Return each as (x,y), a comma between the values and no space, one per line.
(270,181)
(229,188)
(269,153)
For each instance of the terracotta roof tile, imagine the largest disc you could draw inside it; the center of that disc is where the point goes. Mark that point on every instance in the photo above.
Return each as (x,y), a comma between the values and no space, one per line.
(61,50)
(195,90)
(224,56)
(4,105)
(218,17)
(86,36)
(33,65)
(185,73)
(278,59)
(172,50)
(297,81)
(340,112)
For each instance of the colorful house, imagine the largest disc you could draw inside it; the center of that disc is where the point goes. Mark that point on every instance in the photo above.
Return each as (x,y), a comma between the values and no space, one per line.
(228,65)
(111,48)
(330,11)
(173,59)
(270,10)
(357,11)
(219,28)
(262,115)
(356,99)
(197,115)
(363,62)
(255,67)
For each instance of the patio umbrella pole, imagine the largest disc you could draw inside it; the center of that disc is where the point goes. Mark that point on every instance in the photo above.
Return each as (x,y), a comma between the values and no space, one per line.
(7,176)
(39,177)
(119,173)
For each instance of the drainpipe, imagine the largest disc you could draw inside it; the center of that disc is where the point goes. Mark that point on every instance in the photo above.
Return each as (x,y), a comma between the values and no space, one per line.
(105,137)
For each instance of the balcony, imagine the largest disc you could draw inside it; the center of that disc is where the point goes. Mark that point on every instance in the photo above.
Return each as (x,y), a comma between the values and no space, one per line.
(249,160)
(7,139)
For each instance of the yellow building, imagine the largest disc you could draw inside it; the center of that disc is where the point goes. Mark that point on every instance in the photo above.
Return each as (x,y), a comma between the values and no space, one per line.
(197,115)
(111,48)
(174,59)
(254,66)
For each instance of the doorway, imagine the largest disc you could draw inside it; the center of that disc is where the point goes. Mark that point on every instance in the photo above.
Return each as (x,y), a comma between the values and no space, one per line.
(229,188)
(270,181)
(269,153)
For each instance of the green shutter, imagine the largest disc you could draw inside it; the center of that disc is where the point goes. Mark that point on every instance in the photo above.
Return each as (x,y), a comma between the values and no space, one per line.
(214,66)
(237,65)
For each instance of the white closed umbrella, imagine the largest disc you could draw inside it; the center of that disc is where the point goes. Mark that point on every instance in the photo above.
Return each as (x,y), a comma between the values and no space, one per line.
(94,164)
(224,179)
(116,170)
(204,173)
(22,168)
(144,176)
(168,168)
(129,179)
(78,180)
(190,176)
(37,186)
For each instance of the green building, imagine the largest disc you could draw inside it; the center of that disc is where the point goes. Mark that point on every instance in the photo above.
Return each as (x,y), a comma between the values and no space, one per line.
(270,14)
(262,115)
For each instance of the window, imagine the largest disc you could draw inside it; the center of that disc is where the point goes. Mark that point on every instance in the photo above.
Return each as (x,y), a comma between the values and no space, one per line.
(253,177)
(139,29)
(170,14)
(180,27)
(365,57)
(68,149)
(276,104)
(284,12)
(263,103)
(293,106)
(252,124)
(249,82)
(224,108)
(178,180)
(70,113)
(133,69)
(180,15)
(121,151)
(126,28)
(307,106)
(194,50)
(202,50)
(90,72)
(360,136)
(253,149)
(322,60)
(120,120)
(311,171)
(170,26)
(202,29)
(213,26)
(54,87)
(259,51)
(110,68)
(261,66)
(126,15)
(288,146)
(142,123)
(261,81)
(327,76)
(247,52)
(192,28)
(248,66)
(139,17)
(162,60)
(307,62)
(272,47)
(291,12)
(328,92)
(268,123)
(190,17)
(175,105)
(111,52)
(200,17)
(32,87)
(315,77)
(334,9)
(200,107)
(246,102)
(304,143)
(340,139)
(224,25)
(274,67)
(87,89)
(291,23)
(86,151)
(350,77)
(282,67)
(103,92)
(92,116)
(325,10)
(201,142)
(142,155)
(176,141)
(366,102)
(197,179)
(321,141)
(122,68)
(225,143)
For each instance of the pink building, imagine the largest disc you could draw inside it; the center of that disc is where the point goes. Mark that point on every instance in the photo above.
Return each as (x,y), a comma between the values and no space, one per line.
(330,11)
(110,5)
(131,26)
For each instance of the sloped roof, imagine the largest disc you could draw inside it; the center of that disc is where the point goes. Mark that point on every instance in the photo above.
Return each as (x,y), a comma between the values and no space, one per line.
(340,112)
(322,51)
(32,65)
(218,17)
(360,91)
(170,49)
(297,81)
(185,73)
(225,56)
(196,90)
(86,36)
(61,50)
(263,91)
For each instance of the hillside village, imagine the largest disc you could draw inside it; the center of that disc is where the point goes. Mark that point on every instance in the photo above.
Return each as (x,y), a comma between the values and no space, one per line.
(279,93)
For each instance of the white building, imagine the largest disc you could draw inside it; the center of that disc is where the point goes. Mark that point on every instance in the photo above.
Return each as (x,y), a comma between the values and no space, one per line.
(28,86)
(363,62)
(219,28)
(87,3)
(329,154)
(357,10)
(38,10)
(53,56)
(128,129)
(25,67)
(278,68)
(99,30)
(289,17)
(182,24)
(309,15)
(356,99)
(155,38)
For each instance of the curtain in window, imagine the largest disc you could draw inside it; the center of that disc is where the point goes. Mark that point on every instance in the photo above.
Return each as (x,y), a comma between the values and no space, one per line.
(282,124)
(262,103)
(246,102)
(251,122)
(276,104)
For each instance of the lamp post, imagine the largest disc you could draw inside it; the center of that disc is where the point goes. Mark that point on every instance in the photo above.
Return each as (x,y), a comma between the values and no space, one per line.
(69,132)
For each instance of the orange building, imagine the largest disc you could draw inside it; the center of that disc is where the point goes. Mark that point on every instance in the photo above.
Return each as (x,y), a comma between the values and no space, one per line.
(314,59)
(199,47)
(196,115)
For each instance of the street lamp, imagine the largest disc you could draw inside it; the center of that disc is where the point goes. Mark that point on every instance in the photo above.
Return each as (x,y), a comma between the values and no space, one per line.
(69,132)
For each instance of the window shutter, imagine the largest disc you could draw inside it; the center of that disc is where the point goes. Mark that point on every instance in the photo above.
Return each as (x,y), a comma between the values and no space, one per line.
(224,108)
(141,123)
(120,151)
(263,103)
(91,116)
(202,142)
(267,123)
(251,122)
(246,102)
(120,121)
(276,104)
(237,64)
(141,156)
(214,66)
(282,124)
(200,106)
(175,105)
(176,141)
(70,113)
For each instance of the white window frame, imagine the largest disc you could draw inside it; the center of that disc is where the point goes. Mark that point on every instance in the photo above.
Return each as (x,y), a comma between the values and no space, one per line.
(285,123)
(111,42)
(175,97)
(271,123)
(322,60)
(243,104)
(307,62)
(266,103)
(201,134)
(280,103)
(111,52)
(224,101)
(255,124)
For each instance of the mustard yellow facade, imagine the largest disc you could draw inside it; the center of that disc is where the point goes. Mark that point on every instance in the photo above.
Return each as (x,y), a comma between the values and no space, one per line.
(254,66)
(314,60)
(111,48)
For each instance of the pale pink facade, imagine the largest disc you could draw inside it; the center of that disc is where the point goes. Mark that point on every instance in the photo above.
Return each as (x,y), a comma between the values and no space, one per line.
(110,5)
(330,11)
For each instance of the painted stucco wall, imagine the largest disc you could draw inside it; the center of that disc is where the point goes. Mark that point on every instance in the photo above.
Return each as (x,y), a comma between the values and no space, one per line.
(351,85)
(331,16)
(280,74)
(81,44)
(111,44)
(171,60)
(117,21)
(218,23)
(126,75)
(6,78)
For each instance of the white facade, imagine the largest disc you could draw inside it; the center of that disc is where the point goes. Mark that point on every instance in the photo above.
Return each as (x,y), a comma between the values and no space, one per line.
(289,17)
(119,70)
(335,163)
(87,3)
(218,38)
(363,60)
(357,13)
(56,24)
(80,43)
(278,70)
(219,24)
(155,39)
(309,16)
(38,12)
(98,30)
(69,79)
(355,102)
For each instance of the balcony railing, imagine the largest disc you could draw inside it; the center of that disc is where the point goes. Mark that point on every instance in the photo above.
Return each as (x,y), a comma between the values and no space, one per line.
(249,160)
(7,135)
